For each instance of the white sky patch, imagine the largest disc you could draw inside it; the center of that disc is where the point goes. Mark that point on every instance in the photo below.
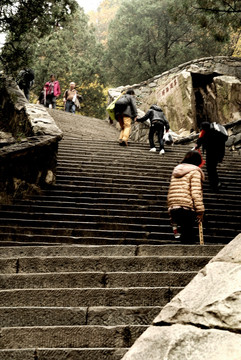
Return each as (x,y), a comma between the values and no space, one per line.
(2,39)
(89,5)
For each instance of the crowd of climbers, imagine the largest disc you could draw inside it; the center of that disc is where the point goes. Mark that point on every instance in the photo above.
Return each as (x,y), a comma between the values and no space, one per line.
(185,194)
(50,92)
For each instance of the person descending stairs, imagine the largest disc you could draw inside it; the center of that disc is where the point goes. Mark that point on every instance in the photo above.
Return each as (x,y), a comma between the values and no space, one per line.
(88,264)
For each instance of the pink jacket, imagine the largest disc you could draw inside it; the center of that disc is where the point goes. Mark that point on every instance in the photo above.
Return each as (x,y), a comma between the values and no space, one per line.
(57,90)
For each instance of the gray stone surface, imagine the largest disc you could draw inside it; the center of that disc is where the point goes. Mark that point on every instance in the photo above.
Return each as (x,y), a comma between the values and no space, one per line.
(63,354)
(213,298)
(80,354)
(231,253)
(71,250)
(101,263)
(185,342)
(28,158)
(69,336)
(41,121)
(42,316)
(173,91)
(208,301)
(203,321)
(117,315)
(88,297)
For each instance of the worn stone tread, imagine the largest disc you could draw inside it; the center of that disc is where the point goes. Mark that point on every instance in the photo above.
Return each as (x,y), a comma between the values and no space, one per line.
(63,354)
(144,296)
(70,336)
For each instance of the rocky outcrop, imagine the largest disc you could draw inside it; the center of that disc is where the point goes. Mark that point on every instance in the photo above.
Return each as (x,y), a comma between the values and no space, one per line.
(203,320)
(28,143)
(201,90)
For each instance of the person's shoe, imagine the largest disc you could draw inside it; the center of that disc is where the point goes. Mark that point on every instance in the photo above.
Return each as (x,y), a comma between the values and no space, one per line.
(124,143)
(153,149)
(162,152)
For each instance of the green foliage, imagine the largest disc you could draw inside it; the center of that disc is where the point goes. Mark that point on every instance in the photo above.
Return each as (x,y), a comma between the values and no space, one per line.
(73,54)
(148,38)
(25,21)
(102,18)
(219,18)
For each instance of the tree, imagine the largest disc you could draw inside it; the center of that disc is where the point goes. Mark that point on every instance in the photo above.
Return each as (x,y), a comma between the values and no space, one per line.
(145,40)
(73,54)
(102,17)
(25,21)
(218,17)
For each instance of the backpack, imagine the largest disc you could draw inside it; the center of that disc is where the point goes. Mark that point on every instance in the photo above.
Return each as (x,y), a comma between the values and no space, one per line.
(121,104)
(25,78)
(111,108)
(219,131)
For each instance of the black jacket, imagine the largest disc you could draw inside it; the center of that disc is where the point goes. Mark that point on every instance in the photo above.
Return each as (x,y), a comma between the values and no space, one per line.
(131,110)
(156,115)
(213,144)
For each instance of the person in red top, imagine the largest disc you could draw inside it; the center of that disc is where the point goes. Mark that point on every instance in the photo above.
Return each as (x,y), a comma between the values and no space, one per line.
(51,92)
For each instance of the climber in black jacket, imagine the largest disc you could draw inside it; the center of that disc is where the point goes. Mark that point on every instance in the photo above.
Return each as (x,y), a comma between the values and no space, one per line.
(158,123)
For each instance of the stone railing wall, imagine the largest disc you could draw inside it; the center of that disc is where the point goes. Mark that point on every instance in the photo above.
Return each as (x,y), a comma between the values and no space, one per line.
(202,89)
(28,144)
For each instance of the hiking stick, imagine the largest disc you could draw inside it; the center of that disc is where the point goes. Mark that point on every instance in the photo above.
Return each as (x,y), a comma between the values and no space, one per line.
(200,226)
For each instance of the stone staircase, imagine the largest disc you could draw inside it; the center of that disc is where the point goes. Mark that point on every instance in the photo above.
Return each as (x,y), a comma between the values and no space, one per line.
(86,266)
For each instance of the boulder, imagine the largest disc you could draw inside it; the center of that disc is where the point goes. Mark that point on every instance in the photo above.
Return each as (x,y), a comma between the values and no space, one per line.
(203,321)
(228,90)
(185,342)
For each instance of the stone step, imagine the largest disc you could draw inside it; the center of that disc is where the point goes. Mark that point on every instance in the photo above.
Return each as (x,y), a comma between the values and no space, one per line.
(70,336)
(85,297)
(135,199)
(16,238)
(72,206)
(141,176)
(111,211)
(101,263)
(58,280)
(158,186)
(134,163)
(72,316)
(81,216)
(134,196)
(110,250)
(160,190)
(103,230)
(106,229)
(63,354)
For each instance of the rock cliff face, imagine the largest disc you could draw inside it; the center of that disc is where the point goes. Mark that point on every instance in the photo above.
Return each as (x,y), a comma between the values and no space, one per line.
(207,89)
(203,320)
(28,143)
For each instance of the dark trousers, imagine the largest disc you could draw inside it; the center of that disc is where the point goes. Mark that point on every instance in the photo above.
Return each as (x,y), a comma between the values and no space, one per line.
(185,221)
(159,129)
(51,99)
(211,165)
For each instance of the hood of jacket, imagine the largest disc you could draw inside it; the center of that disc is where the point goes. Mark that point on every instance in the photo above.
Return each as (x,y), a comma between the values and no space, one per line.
(183,169)
(155,107)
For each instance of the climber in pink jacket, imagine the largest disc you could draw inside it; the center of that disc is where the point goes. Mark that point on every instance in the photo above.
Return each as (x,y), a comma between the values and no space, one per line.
(51,92)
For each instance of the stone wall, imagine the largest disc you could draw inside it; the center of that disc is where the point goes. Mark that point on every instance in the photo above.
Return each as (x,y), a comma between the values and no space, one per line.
(28,144)
(205,89)
(204,320)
